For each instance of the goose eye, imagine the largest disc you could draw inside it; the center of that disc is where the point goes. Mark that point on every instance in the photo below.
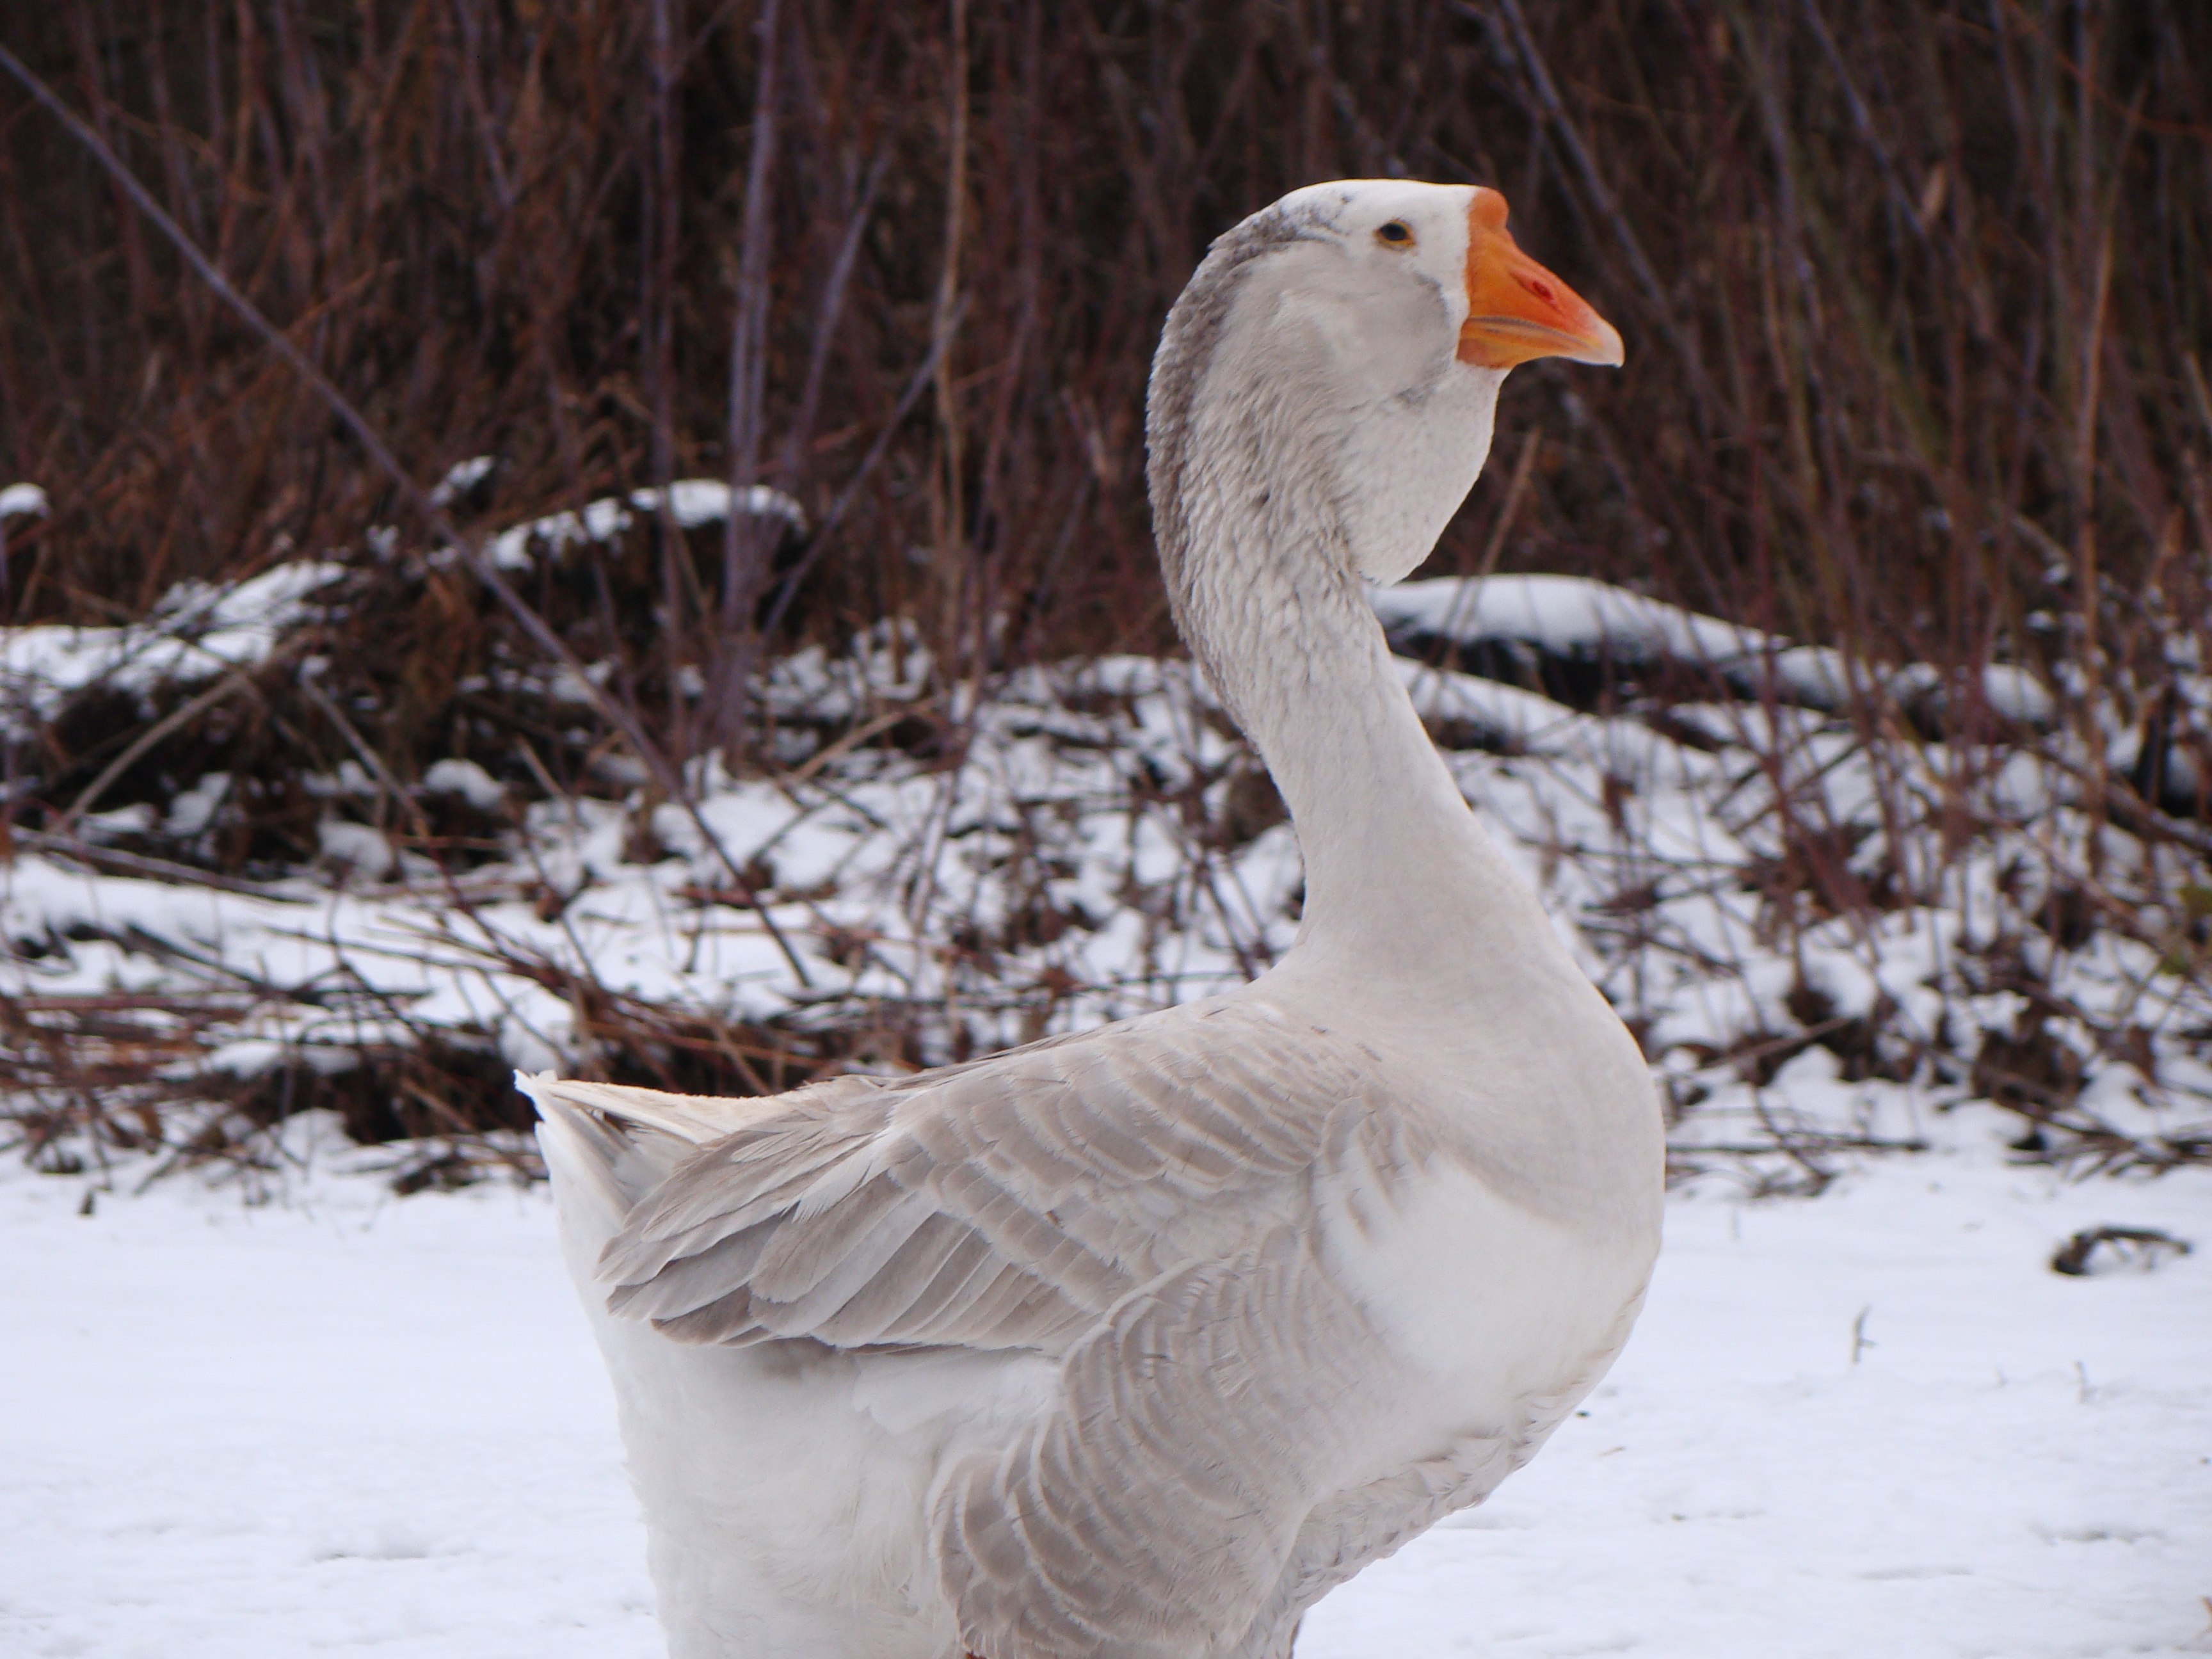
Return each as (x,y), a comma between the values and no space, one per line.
(1395,235)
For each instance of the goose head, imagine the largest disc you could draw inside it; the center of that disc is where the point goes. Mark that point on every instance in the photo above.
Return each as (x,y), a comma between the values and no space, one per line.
(1330,372)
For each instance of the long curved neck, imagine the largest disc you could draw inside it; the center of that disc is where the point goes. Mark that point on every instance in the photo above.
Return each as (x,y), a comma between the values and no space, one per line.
(1401,879)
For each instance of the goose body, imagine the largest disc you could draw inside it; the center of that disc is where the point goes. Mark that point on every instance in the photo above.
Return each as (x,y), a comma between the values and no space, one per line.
(1131,1343)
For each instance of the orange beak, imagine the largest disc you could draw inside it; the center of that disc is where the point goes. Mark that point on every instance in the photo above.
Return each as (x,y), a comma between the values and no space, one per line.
(1517,310)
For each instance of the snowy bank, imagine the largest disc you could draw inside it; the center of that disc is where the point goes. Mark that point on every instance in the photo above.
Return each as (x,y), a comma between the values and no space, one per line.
(1776,896)
(1878,1423)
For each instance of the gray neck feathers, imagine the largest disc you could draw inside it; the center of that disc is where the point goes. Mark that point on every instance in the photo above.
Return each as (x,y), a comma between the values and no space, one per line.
(1242,480)
(1250,505)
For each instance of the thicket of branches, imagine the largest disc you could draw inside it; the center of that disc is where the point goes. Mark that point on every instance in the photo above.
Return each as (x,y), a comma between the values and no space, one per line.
(1914,295)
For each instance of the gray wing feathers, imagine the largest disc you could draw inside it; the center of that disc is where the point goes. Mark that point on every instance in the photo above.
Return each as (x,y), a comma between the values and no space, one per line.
(1156,1514)
(1006,1204)
(1138,1203)
(692,1118)
(1350,1530)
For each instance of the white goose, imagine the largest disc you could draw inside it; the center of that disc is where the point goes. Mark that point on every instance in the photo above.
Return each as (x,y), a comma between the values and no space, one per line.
(1134,1343)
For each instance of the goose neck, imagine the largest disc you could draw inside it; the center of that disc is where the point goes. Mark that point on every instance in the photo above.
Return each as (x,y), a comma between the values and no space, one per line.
(1398,875)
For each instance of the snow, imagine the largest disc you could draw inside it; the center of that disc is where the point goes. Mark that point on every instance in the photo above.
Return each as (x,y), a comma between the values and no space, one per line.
(691,502)
(361,849)
(22,500)
(1870,1423)
(1086,859)
(338,1425)
(897,851)
(460,478)
(2008,1467)
(1576,617)
(195,808)
(196,631)
(467,779)
(2016,695)
(1563,614)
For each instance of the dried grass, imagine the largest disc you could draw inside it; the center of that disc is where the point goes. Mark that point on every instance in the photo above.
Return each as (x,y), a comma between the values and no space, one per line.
(1914,295)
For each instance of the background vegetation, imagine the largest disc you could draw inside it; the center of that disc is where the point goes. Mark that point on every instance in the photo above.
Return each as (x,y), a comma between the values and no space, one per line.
(1915,295)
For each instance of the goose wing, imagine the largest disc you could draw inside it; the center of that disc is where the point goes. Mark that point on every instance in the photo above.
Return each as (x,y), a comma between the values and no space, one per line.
(1140,1202)
(1006,1204)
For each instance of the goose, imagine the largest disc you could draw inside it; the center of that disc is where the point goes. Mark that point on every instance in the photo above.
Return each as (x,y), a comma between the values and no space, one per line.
(1133,1343)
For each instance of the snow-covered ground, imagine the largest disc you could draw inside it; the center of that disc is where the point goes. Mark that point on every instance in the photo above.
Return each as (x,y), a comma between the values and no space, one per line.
(1869,1422)
(337,1422)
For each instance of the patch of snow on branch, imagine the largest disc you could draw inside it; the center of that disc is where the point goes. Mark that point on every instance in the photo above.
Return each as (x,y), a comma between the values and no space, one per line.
(1576,617)
(691,502)
(198,630)
(467,779)
(461,479)
(1563,614)
(22,500)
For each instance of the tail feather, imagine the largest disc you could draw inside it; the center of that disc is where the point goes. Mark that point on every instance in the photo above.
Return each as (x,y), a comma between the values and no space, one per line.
(608,1146)
(696,1119)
